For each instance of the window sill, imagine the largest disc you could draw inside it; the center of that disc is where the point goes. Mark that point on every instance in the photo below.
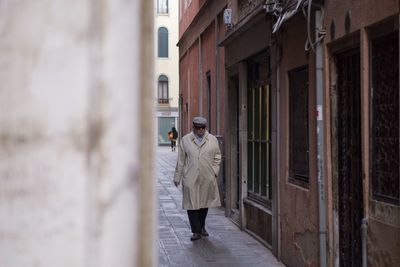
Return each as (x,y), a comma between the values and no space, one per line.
(385,212)
(264,206)
(299,183)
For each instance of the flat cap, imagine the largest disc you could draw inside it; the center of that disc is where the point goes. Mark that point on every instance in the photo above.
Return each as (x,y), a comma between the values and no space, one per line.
(199,121)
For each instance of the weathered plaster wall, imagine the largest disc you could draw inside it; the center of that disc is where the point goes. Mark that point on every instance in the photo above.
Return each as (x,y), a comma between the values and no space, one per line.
(183,82)
(249,43)
(68,130)
(299,206)
(367,19)
(362,13)
(221,76)
(208,65)
(194,87)
(188,10)
(189,86)
(383,235)
(383,244)
(197,36)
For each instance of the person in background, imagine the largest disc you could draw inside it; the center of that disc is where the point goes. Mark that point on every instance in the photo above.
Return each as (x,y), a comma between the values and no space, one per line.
(172,136)
(197,168)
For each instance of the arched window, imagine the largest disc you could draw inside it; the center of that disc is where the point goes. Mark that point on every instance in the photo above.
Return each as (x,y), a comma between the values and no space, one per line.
(162,42)
(163,97)
(162,6)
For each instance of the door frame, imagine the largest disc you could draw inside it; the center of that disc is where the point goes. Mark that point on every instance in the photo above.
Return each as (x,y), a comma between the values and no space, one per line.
(349,44)
(233,151)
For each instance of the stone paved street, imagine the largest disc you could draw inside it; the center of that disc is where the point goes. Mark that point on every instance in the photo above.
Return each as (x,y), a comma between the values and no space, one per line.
(226,245)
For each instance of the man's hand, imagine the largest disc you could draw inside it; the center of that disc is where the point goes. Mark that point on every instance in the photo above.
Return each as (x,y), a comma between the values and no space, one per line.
(176,183)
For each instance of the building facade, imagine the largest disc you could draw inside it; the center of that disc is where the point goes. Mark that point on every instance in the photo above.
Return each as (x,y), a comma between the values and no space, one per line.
(201,65)
(361,84)
(311,123)
(201,68)
(166,67)
(320,177)
(251,131)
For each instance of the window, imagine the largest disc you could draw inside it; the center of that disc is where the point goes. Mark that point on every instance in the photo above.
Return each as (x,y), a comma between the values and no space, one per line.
(162,6)
(385,118)
(162,42)
(298,127)
(163,97)
(259,182)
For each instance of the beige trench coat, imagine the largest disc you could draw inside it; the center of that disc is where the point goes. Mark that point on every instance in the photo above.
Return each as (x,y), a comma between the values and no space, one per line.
(197,168)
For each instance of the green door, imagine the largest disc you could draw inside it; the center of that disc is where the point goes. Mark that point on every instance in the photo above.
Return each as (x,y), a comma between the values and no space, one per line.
(165,125)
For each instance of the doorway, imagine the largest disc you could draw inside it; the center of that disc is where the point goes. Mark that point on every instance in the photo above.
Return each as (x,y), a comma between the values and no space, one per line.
(349,166)
(259,201)
(235,182)
(165,125)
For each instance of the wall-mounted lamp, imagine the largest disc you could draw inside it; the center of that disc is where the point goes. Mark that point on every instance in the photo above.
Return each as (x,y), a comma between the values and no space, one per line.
(228,18)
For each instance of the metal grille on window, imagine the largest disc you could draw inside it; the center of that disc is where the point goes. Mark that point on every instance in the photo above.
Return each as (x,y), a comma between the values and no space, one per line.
(385,118)
(259,142)
(259,131)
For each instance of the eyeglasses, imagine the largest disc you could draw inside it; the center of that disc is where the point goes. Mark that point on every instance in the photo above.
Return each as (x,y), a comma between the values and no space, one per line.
(199,127)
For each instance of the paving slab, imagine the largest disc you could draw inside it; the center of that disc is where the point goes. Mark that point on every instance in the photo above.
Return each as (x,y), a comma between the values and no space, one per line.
(227,245)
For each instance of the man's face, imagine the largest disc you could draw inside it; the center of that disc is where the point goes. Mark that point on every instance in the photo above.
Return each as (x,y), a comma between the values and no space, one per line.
(199,130)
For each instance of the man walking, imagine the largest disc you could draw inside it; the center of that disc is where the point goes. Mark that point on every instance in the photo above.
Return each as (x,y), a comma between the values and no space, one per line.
(198,167)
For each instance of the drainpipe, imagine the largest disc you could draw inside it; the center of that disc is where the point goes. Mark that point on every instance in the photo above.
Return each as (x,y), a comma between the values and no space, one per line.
(320,138)
(364,227)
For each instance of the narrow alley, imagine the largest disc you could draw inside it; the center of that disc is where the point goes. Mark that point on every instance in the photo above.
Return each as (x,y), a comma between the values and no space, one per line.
(300,96)
(226,245)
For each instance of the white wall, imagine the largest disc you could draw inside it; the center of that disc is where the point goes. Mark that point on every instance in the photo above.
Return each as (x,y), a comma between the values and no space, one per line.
(69,120)
(169,66)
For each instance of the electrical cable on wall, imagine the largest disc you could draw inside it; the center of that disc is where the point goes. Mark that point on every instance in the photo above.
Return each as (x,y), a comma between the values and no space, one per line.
(285,10)
(321,33)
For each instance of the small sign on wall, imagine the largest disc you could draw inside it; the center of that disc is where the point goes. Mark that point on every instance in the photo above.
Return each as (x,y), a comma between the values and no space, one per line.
(319,112)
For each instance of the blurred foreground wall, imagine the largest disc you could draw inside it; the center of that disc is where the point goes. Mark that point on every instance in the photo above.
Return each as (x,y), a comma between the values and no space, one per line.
(73,103)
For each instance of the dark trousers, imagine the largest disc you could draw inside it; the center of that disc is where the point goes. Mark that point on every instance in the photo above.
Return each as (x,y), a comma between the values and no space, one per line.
(173,145)
(197,219)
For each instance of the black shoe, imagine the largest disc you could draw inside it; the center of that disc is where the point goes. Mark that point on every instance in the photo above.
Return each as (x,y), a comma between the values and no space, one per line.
(204,232)
(195,237)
